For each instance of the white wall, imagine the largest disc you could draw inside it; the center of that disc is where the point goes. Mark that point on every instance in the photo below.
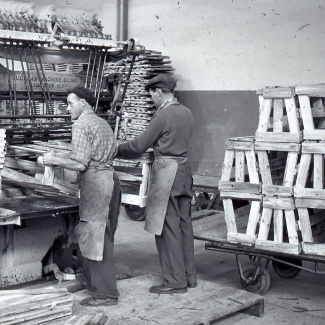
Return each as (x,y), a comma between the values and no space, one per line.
(235,45)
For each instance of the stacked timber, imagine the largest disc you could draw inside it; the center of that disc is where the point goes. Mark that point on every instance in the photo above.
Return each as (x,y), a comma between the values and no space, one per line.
(285,185)
(48,305)
(138,107)
(22,174)
(3,148)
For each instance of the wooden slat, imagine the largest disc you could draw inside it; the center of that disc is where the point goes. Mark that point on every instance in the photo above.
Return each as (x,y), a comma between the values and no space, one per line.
(304,225)
(278,92)
(309,193)
(227,165)
(272,246)
(240,186)
(265,223)
(281,137)
(313,147)
(277,190)
(240,166)
(265,146)
(309,203)
(303,171)
(318,171)
(264,167)
(290,170)
(291,226)
(252,167)
(305,112)
(264,115)
(278,225)
(278,115)
(278,203)
(229,216)
(253,219)
(314,135)
(292,115)
(314,249)
(311,90)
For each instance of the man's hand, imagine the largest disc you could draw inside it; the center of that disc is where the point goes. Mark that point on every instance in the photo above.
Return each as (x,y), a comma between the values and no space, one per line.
(46,159)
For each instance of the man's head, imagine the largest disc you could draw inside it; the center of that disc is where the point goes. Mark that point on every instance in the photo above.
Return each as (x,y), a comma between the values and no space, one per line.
(79,99)
(161,88)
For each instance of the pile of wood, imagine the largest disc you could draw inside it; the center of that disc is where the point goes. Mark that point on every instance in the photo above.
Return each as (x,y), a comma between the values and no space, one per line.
(47,305)
(280,173)
(138,107)
(22,174)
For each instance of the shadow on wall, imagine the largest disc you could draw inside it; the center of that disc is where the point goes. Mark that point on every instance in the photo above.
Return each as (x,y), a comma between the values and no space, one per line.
(218,115)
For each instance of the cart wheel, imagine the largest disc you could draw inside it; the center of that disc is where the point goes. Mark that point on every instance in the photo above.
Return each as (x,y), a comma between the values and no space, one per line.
(135,212)
(287,271)
(262,282)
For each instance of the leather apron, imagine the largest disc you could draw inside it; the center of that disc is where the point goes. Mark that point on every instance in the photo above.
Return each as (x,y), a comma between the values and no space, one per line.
(162,178)
(96,185)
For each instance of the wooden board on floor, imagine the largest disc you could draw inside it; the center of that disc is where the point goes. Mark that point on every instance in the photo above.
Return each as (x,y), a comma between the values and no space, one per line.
(206,303)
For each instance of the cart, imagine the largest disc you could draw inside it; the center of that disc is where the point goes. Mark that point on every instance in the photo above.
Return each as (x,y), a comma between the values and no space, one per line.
(253,276)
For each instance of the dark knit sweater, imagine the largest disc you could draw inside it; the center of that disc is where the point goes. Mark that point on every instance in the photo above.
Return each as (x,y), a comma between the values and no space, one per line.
(168,133)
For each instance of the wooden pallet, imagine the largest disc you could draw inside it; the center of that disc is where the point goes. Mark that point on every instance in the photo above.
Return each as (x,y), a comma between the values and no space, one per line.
(240,153)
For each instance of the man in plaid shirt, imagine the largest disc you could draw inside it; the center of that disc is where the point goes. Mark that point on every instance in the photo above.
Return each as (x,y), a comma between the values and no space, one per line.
(93,150)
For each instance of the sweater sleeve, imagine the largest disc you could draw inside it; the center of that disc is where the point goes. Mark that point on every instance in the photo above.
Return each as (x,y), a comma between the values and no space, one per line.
(145,140)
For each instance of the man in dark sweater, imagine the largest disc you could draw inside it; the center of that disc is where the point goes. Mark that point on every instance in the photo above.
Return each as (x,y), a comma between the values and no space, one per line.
(170,189)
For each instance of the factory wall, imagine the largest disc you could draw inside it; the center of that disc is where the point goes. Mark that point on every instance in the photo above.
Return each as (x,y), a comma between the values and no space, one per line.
(223,51)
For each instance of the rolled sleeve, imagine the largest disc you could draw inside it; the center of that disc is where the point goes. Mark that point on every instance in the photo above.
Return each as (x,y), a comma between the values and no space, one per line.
(81,147)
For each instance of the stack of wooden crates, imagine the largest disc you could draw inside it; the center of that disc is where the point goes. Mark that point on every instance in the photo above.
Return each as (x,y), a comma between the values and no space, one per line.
(279,173)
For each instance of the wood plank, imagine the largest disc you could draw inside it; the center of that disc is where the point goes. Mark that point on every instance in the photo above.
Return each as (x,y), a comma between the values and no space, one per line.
(305,113)
(265,223)
(229,216)
(265,115)
(278,225)
(307,193)
(303,170)
(264,166)
(240,196)
(227,165)
(278,203)
(304,225)
(314,135)
(290,170)
(291,226)
(309,203)
(240,166)
(241,238)
(269,146)
(278,115)
(277,190)
(253,219)
(271,246)
(311,90)
(318,172)
(281,137)
(240,187)
(292,115)
(313,249)
(313,147)
(252,167)
(278,92)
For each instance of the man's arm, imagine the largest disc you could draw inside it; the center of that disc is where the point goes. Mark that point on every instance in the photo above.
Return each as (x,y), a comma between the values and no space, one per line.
(49,160)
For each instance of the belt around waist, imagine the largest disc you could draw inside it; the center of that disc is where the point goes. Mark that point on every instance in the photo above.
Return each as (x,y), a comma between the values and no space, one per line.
(180,160)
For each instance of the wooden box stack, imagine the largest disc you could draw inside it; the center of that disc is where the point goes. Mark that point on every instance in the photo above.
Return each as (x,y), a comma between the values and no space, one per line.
(289,145)
(138,107)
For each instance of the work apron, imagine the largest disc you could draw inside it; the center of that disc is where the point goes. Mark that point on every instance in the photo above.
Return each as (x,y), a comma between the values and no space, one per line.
(96,185)
(162,178)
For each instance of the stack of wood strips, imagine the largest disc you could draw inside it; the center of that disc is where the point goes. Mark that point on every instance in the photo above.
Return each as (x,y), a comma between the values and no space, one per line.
(3,148)
(22,172)
(82,319)
(138,107)
(285,185)
(47,305)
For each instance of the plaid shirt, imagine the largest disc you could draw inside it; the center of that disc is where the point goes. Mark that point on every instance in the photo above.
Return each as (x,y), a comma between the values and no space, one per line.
(92,140)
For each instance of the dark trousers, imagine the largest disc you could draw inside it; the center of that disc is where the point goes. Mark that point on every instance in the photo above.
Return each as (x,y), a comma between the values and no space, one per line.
(101,276)
(176,244)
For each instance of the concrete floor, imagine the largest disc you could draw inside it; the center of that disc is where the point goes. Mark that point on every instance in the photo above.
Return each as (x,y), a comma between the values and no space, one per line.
(300,300)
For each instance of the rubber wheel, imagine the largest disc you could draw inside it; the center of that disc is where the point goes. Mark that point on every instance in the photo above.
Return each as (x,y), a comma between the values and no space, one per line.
(287,271)
(262,282)
(135,212)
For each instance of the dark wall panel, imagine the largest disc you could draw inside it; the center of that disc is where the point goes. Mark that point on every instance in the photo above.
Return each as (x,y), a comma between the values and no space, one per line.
(218,115)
